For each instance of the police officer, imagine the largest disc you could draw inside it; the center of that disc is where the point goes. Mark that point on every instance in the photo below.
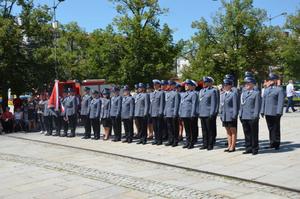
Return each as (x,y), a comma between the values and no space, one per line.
(272,109)
(207,109)
(141,110)
(62,122)
(71,112)
(195,127)
(229,111)
(115,113)
(104,113)
(164,127)
(188,111)
(48,116)
(85,102)
(157,103)
(249,115)
(127,114)
(171,114)
(94,109)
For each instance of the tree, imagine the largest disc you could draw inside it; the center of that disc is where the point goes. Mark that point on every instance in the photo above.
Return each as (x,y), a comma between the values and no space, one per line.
(237,41)
(290,52)
(150,51)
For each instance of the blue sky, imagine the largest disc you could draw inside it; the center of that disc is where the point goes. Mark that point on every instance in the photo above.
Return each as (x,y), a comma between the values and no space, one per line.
(93,14)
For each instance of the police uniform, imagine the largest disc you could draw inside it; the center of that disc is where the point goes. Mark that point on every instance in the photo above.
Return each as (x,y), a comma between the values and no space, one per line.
(63,123)
(157,103)
(48,116)
(229,108)
(172,103)
(94,110)
(142,105)
(84,112)
(58,118)
(207,110)
(127,113)
(188,111)
(71,114)
(272,109)
(249,115)
(164,126)
(115,114)
(105,110)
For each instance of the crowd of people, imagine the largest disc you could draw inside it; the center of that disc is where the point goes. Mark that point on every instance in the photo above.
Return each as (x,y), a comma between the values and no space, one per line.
(160,113)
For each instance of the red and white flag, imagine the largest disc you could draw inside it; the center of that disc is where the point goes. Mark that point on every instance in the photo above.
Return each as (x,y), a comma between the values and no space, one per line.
(54,98)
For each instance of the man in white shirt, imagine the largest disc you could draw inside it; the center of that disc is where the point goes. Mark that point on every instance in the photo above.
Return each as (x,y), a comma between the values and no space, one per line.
(290,92)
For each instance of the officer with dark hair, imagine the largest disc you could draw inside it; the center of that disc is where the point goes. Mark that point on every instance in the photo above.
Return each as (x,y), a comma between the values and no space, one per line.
(85,102)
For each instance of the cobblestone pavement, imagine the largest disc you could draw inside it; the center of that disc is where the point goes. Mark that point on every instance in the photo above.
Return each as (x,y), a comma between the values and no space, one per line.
(29,169)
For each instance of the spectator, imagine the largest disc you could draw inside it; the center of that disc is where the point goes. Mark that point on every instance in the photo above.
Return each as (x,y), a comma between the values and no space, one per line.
(31,115)
(17,102)
(19,122)
(290,92)
(40,113)
(7,119)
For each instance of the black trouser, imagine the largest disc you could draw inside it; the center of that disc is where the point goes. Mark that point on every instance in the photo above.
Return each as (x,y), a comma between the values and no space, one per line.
(273,123)
(143,121)
(41,122)
(72,122)
(58,123)
(116,124)
(188,130)
(207,131)
(96,127)
(195,129)
(49,123)
(87,125)
(128,127)
(173,130)
(214,127)
(158,128)
(164,129)
(7,126)
(250,128)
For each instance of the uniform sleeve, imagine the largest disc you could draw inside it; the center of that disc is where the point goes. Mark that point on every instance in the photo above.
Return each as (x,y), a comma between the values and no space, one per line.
(98,108)
(74,104)
(262,108)
(213,103)
(257,106)
(162,103)
(119,107)
(235,105)
(147,104)
(177,104)
(280,101)
(131,113)
(194,105)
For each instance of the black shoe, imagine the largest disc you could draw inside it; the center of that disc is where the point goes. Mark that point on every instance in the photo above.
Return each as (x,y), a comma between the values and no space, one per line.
(191,146)
(55,134)
(48,134)
(129,140)
(226,150)
(254,152)
(246,152)
(159,143)
(95,138)
(168,144)
(185,146)
(140,142)
(174,144)
(70,136)
(85,137)
(203,147)
(63,135)
(124,141)
(144,142)
(231,150)
(154,143)
(209,148)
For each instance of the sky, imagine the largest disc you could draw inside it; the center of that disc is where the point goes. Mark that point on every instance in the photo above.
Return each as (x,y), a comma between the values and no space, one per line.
(93,14)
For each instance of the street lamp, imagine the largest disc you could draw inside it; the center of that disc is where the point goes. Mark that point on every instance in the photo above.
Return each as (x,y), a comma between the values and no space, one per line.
(271,18)
(55,26)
